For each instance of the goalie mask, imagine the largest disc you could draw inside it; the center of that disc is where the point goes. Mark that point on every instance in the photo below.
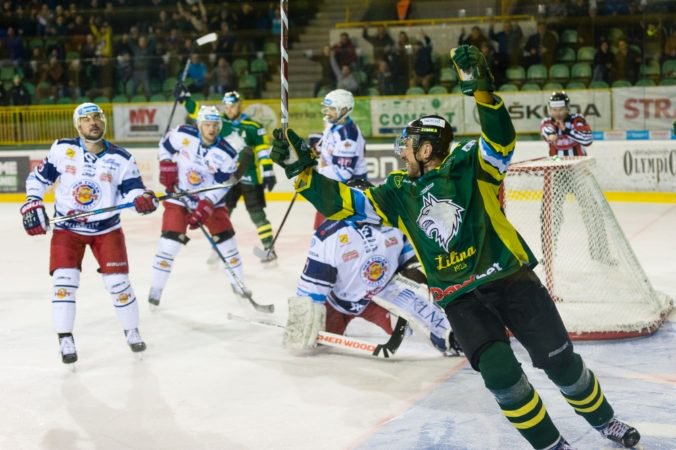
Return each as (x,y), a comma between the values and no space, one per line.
(337,105)
(90,118)
(434,129)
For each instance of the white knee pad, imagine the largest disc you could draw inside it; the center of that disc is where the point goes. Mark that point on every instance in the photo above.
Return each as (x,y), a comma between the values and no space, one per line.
(66,282)
(119,287)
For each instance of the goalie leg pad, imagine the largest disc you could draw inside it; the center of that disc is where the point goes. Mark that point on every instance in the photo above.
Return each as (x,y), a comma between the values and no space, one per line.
(306,319)
(66,283)
(409,300)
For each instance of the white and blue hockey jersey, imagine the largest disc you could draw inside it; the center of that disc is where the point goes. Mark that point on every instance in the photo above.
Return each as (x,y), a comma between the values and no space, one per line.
(86,182)
(200,166)
(348,263)
(342,152)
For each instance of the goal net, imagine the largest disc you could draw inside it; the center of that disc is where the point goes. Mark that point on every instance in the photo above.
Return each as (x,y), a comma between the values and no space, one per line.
(585,260)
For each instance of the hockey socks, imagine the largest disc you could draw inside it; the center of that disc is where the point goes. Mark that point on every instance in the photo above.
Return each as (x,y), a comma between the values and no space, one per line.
(263,227)
(66,283)
(228,249)
(167,249)
(124,299)
(518,400)
(581,389)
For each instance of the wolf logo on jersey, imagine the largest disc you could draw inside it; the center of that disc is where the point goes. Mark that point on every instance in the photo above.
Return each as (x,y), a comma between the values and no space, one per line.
(440,219)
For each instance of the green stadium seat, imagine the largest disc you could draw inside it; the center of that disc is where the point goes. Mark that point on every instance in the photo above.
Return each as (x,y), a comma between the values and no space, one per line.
(373,92)
(530,86)
(415,90)
(259,67)
(215,96)
(271,48)
(120,98)
(82,99)
(598,84)
(559,72)
(645,82)
(649,70)
(448,75)
(516,73)
(508,87)
(158,98)
(101,99)
(198,97)
(247,82)
(323,91)
(70,56)
(30,87)
(536,72)
(586,54)
(575,85)
(240,66)
(64,101)
(568,37)
(36,42)
(669,68)
(621,84)
(169,84)
(138,99)
(361,77)
(7,73)
(668,82)
(552,86)
(581,71)
(438,90)
(565,55)
(614,35)
(456,90)
(46,101)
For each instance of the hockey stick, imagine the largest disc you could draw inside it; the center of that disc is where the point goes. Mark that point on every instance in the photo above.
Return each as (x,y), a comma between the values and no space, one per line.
(206,39)
(160,198)
(240,284)
(327,339)
(265,254)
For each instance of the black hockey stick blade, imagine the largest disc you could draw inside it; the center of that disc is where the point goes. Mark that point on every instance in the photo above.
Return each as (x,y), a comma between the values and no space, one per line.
(269,309)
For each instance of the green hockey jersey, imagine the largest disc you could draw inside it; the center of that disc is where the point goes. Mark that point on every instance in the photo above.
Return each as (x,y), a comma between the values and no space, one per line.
(451,215)
(254,136)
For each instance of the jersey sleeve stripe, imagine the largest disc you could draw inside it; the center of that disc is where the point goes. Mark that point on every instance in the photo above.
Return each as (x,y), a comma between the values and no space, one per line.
(348,210)
(130,184)
(379,212)
(495,159)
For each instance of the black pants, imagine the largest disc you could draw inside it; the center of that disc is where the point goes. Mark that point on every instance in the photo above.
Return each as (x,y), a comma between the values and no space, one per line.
(254,197)
(519,303)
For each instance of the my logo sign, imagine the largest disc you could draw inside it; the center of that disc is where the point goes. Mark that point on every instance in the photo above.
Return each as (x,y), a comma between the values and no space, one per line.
(143,120)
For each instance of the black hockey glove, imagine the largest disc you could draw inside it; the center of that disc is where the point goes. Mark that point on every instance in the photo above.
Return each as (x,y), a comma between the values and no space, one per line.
(473,71)
(291,152)
(181,93)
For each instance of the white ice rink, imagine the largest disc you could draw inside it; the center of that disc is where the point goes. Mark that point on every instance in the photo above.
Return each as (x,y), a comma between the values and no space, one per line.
(209,383)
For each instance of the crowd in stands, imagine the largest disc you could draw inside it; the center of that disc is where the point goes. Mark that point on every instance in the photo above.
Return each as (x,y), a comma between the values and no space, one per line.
(133,49)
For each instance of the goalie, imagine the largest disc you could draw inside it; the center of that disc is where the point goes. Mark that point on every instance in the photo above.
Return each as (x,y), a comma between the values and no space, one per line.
(361,270)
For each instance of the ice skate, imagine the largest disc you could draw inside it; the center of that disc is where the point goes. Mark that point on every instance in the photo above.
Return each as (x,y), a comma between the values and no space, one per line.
(154,298)
(67,347)
(270,258)
(134,340)
(620,432)
(562,444)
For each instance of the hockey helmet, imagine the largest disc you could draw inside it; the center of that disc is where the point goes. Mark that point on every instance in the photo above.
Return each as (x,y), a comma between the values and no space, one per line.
(91,110)
(359,183)
(209,113)
(432,128)
(559,99)
(339,99)
(231,97)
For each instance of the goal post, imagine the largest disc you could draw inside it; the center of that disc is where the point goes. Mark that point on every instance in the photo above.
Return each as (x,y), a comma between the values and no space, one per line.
(585,260)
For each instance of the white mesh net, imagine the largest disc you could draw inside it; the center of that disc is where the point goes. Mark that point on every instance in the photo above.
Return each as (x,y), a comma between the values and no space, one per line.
(585,259)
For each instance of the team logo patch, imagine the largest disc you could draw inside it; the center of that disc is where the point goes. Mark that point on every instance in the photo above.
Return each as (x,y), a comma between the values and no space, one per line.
(397,180)
(391,241)
(185,142)
(194,177)
(106,177)
(373,271)
(71,169)
(62,293)
(123,298)
(439,220)
(86,194)
(70,153)
(344,239)
(164,264)
(352,254)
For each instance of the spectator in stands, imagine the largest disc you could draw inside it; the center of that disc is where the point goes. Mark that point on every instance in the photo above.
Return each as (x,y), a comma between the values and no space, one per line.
(196,16)
(226,41)
(398,58)
(197,73)
(222,77)
(328,79)
(4,96)
(540,47)
(246,18)
(494,64)
(57,77)
(143,57)
(14,44)
(385,78)
(345,79)
(19,93)
(604,60)
(476,37)
(380,41)
(164,22)
(627,62)
(670,51)
(344,51)
(652,43)
(614,8)
(510,49)
(423,66)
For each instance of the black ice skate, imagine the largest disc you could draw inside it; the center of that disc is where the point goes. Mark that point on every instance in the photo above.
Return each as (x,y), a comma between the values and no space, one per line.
(67,346)
(562,444)
(154,298)
(134,340)
(620,432)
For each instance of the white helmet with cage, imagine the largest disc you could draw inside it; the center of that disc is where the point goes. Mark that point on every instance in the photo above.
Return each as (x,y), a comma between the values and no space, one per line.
(208,113)
(91,110)
(341,100)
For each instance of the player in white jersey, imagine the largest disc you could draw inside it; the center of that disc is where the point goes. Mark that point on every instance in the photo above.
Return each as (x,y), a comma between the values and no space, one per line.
(342,146)
(349,273)
(191,158)
(92,173)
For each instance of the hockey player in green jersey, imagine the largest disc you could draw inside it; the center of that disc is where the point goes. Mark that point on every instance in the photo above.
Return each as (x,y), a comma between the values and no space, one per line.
(258,176)
(478,267)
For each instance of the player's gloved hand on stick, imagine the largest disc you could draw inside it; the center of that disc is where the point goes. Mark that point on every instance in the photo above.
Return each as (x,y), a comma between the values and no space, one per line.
(269,182)
(291,152)
(473,71)
(181,93)
(35,219)
(201,213)
(146,202)
(168,174)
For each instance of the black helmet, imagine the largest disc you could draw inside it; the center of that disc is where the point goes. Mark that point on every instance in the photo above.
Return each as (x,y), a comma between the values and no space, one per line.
(231,97)
(359,183)
(431,128)
(559,99)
